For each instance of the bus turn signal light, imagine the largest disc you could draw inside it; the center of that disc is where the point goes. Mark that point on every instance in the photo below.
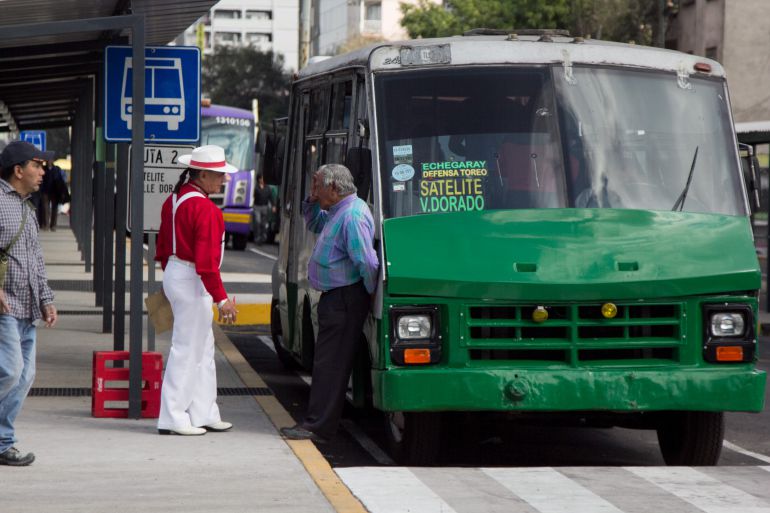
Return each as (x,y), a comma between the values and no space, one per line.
(730,354)
(416,356)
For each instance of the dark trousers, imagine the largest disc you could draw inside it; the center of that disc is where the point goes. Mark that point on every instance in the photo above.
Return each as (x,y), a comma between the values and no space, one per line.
(341,316)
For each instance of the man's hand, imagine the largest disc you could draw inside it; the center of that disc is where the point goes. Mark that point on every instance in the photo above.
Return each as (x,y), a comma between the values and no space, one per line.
(50,316)
(315,184)
(4,306)
(228,312)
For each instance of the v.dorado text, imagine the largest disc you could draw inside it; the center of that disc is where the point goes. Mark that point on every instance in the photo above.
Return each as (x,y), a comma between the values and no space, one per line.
(452,195)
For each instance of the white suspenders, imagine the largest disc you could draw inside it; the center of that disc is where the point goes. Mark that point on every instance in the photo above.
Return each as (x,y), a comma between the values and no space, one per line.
(174,206)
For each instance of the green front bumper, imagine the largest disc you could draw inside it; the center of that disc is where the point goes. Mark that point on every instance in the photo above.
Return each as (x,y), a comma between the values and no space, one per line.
(493,389)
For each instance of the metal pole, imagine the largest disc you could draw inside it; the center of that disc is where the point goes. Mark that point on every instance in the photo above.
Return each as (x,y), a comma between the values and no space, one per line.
(109,223)
(121,217)
(98,227)
(151,287)
(87,99)
(137,220)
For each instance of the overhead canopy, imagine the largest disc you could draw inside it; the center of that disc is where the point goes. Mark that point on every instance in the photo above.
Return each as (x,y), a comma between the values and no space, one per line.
(42,73)
(753,132)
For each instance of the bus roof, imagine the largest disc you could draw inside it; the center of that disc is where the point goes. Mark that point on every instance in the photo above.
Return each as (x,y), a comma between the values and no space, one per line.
(502,49)
(222,110)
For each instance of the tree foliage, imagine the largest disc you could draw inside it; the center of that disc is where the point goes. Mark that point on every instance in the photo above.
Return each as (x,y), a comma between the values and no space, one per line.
(427,19)
(235,75)
(639,21)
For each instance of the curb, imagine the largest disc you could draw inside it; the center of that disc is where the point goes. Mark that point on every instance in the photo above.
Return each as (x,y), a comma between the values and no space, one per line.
(339,496)
(248,314)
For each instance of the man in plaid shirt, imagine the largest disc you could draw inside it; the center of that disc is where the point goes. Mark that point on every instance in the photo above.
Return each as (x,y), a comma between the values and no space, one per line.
(25,296)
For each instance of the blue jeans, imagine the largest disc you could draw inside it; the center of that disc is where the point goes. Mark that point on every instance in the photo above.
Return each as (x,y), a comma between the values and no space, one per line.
(17,371)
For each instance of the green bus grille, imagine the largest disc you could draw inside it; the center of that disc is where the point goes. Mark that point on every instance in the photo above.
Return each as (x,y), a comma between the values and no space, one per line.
(575,334)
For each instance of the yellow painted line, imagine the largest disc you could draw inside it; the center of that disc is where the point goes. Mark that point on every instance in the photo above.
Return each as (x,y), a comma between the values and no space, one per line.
(249,314)
(335,491)
(237,218)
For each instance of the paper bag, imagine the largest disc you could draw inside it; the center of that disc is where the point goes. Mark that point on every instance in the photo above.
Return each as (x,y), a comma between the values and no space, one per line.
(159,311)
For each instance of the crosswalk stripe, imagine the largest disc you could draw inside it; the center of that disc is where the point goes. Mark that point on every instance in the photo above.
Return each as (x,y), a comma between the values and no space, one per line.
(624,490)
(566,490)
(471,490)
(392,490)
(701,490)
(537,487)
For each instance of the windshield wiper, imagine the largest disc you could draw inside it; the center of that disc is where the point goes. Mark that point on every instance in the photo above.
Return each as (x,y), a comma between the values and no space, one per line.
(680,200)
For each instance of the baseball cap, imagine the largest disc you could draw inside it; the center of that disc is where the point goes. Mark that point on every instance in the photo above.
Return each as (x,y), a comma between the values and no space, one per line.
(17,152)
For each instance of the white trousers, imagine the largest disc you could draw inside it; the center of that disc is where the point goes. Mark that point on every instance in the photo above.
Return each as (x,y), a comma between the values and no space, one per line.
(189,392)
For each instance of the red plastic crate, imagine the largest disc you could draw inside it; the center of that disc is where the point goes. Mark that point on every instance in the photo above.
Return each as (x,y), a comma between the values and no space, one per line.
(152,378)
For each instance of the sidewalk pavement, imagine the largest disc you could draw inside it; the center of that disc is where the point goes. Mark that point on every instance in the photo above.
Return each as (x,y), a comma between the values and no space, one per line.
(87,464)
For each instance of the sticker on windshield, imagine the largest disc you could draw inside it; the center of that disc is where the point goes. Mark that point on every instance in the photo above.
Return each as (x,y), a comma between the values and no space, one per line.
(403,172)
(399,187)
(402,154)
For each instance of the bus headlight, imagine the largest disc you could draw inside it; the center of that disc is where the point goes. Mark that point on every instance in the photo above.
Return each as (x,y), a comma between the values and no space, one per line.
(240,192)
(416,338)
(414,326)
(727,324)
(728,330)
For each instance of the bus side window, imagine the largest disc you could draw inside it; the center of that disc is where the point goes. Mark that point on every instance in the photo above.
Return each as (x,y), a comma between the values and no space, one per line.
(336,139)
(313,148)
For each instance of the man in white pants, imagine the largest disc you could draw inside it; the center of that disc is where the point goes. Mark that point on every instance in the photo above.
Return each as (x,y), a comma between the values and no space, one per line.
(190,249)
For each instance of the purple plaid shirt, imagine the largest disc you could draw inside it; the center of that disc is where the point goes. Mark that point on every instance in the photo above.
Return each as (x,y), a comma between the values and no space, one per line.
(26,286)
(343,253)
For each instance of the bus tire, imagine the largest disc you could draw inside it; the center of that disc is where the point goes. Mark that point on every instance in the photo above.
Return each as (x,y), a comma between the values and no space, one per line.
(413,438)
(691,438)
(239,241)
(284,356)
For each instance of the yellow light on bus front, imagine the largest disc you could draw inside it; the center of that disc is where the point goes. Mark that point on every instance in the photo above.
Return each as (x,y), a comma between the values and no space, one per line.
(730,354)
(540,314)
(416,356)
(609,310)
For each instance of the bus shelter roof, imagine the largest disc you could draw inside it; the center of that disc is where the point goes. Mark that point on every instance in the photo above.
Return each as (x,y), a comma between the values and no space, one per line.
(753,132)
(42,69)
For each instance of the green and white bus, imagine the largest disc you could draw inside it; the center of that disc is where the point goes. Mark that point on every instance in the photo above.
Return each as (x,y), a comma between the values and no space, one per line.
(563,227)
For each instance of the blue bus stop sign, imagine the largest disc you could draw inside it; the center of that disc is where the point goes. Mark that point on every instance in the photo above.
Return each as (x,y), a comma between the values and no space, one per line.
(36,137)
(171,94)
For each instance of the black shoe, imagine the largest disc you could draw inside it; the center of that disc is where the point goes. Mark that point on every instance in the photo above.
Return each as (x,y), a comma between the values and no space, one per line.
(299,433)
(14,458)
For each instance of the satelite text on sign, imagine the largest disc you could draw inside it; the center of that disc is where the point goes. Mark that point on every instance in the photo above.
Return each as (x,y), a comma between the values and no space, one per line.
(161,172)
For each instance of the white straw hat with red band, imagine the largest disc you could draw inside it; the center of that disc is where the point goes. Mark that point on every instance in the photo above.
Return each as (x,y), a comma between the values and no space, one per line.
(209,158)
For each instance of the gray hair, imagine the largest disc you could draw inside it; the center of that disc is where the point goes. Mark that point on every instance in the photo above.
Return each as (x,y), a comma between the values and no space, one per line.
(340,176)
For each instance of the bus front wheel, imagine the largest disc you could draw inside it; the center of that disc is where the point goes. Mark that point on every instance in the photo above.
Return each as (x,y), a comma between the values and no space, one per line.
(691,438)
(414,438)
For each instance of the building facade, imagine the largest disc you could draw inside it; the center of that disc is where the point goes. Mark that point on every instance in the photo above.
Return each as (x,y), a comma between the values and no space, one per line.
(336,23)
(733,32)
(264,24)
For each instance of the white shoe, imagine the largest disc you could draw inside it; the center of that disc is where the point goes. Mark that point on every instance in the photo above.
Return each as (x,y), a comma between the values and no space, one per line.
(188,431)
(218,427)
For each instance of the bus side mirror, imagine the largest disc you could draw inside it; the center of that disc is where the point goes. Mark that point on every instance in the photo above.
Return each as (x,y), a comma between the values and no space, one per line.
(750,167)
(359,162)
(272,159)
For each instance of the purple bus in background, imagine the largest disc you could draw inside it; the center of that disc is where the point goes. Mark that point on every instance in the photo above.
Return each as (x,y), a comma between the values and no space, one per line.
(233,129)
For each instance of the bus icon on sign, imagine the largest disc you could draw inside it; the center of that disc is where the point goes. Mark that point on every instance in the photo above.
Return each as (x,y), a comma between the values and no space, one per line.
(163,90)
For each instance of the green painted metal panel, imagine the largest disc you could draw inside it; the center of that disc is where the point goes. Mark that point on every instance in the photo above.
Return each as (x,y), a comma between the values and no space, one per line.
(567,254)
(729,388)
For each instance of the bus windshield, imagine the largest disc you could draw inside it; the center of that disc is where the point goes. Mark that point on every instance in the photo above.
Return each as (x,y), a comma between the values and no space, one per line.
(541,137)
(235,135)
